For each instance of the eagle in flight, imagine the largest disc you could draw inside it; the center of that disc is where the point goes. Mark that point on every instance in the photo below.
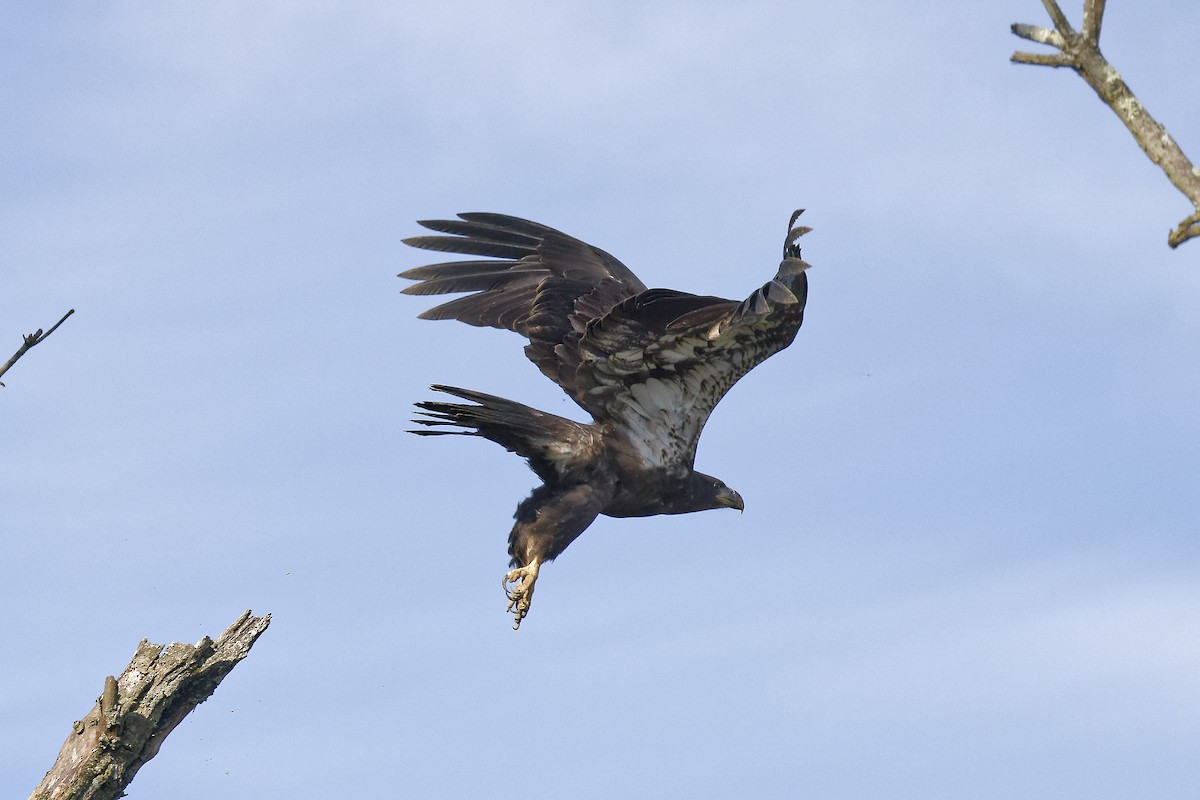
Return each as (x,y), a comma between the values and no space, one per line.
(648,365)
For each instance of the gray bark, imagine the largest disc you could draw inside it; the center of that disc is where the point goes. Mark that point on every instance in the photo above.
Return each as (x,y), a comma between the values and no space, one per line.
(1080,51)
(136,712)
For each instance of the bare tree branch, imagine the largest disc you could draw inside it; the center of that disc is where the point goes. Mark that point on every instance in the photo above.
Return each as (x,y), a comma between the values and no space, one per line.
(1081,52)
(34,338)
(1059,18)
(137,711)
(1093,17)
(1040,35)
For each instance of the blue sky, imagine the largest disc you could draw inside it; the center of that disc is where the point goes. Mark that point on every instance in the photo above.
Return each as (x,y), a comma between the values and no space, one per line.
(967,566)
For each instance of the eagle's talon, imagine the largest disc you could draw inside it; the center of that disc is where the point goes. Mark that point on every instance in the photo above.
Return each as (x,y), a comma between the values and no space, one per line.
(520,595)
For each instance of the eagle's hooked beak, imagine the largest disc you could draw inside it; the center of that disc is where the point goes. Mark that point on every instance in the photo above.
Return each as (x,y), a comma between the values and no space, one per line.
(730,499)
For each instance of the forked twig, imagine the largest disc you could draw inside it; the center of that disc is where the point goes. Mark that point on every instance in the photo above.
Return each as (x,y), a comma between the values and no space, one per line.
(37,337)
(1080,50)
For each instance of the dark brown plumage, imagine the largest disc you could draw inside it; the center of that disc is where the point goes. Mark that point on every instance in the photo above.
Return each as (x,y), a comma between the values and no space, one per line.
(649,365)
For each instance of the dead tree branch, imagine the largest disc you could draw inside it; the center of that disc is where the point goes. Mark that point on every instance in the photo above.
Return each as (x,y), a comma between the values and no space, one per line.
(34,338)
(1080,50)
(137,711)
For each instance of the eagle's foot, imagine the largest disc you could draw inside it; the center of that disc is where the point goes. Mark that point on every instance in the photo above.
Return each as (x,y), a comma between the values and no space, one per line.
(520,594)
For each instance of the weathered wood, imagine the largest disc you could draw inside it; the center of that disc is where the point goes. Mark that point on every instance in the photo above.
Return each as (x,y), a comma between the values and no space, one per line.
(136,712)
(1080,51)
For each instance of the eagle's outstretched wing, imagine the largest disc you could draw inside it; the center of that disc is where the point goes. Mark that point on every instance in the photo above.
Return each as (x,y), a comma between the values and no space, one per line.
(540,282)
(658,363)
(653,361)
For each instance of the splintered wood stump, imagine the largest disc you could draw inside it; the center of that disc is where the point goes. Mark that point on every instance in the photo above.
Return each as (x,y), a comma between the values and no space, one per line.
(136,712)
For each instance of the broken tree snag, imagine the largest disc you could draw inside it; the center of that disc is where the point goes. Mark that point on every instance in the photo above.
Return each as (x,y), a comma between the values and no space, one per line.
(1080,50)
(37,337)
(136,711)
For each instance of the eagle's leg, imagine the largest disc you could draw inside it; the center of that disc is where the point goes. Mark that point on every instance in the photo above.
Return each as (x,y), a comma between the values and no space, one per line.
(521,593)
(547,521)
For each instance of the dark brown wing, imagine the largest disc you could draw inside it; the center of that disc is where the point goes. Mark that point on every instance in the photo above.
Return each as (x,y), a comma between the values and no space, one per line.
(657,364)
(536,281)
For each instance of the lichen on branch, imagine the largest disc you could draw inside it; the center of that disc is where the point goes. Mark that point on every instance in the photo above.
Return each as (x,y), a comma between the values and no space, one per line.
(1080,51)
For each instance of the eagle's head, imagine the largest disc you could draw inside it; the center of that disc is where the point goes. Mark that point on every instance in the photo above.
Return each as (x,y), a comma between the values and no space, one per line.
(705,492)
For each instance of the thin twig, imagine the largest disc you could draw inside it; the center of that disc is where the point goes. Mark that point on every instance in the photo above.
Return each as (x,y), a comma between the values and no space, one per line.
(1081,52)
(1040,35)
(1093,18)
(1186,230)
(1060,19)
(1043,59)
(37,337)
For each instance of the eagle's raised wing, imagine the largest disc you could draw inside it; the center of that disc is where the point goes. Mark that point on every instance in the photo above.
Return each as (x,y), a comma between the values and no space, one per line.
(655,361)
(658,363)
(540,282)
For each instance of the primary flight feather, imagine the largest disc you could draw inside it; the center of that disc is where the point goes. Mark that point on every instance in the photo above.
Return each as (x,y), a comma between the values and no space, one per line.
(648,365)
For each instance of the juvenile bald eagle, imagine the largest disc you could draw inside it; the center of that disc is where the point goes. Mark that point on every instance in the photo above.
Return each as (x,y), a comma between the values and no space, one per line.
(648,365)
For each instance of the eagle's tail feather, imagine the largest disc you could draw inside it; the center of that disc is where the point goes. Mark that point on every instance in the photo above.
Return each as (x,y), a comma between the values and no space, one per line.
(545,439)
(492,417)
